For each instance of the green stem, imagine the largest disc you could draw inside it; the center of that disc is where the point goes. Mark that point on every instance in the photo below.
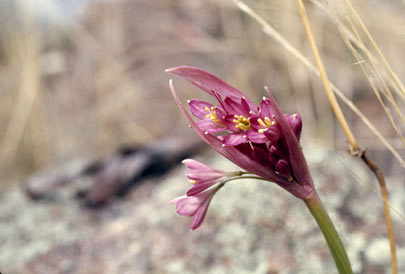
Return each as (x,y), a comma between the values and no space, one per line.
(336,247)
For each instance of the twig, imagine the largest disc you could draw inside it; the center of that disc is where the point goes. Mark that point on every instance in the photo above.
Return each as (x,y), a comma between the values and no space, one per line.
(384,193)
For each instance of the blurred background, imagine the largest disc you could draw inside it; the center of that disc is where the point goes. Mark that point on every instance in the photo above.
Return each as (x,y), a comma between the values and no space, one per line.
(82,78)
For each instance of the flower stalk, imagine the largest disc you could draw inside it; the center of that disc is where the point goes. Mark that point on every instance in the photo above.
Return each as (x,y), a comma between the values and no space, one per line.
(325,223)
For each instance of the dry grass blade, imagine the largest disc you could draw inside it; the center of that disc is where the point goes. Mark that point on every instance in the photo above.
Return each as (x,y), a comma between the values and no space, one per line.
(370,186)
(364,28)
(370,70)
(26,49)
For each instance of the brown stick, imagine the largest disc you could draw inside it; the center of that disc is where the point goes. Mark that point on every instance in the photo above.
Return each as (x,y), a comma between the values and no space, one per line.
(384,193)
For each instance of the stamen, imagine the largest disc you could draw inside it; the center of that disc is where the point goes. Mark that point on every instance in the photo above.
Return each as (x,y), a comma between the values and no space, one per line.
(260,121)
(212,114)
(193,182)
(242,122)
(266,124)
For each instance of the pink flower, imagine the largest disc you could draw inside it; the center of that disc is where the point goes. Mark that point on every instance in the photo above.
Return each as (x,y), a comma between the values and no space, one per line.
(260,139)
(195,206)
(202,176)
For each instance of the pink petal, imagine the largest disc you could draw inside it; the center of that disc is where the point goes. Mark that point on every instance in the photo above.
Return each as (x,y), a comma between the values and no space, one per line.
(210,126)
(255,124)
(283,168)
(273,133)
(245,106)
(208,82)
(256,137)
(175,200)
(228,120)
(193,164)
(198,108)
(265,108)
(188,206)
(201,172)
(233,107)
(234,139)
(196,189)
(199,216)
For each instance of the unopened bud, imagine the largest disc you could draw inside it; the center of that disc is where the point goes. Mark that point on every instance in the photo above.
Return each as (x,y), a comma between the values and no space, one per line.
(295,122)
(283,168)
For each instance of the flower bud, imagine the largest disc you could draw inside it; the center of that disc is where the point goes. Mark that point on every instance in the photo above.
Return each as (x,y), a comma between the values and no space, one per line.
(283,168)
(295,122)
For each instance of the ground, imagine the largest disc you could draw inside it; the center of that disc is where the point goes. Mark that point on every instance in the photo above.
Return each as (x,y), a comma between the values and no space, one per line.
(251,227)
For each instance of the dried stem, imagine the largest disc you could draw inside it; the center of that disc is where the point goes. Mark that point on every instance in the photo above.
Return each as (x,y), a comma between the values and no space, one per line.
(384,193)
(349,135)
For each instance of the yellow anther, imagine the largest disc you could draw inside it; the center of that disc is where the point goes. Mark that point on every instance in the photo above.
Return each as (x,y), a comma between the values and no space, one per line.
(212,115)
(260,121)
(242,123)
(266,124)
(193,182)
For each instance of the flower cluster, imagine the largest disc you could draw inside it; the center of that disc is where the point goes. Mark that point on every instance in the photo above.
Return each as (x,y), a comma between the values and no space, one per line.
(258,138)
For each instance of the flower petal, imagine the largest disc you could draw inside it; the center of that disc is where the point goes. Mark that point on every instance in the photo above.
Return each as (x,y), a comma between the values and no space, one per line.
(210,126)
(234,139)
(209,82)
(199,216)
(256,137)
(198,108)
(283,168)
(233,107)
(273,133)
(188,206)
(199,187)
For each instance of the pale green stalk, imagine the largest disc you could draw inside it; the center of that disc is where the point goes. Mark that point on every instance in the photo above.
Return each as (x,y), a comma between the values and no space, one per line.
(325,223)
